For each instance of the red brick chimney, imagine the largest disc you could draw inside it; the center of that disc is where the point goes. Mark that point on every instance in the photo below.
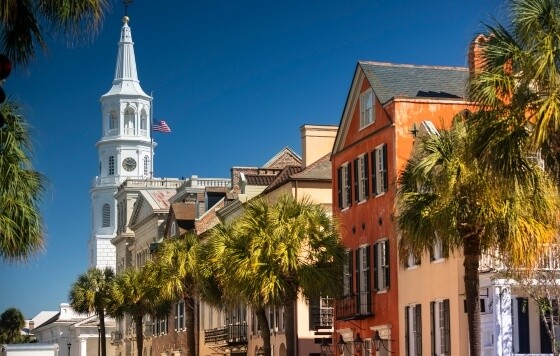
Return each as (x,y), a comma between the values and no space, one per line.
(475,52)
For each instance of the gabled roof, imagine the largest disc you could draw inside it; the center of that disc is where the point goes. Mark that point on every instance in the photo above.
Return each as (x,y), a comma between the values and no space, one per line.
(282,178)
(390,80)
(259,179)
(151,202)
(279,160)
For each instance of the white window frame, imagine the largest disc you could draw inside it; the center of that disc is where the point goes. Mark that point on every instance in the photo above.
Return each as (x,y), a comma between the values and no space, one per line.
(382,265)
(129,118)
(437,251)
(367,115)
(413,329)
(363,179)
(439,327)
(364,275)
(180,316)
(346,184)
(380,170)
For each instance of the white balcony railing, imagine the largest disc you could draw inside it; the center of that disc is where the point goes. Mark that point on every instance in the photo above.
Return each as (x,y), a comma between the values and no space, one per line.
(549,260)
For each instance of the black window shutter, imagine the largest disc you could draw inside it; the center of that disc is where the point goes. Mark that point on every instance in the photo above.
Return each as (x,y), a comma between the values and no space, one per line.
(523,325)
(366,175)
(314,313)
(433,326)
(447,326)
(350,279)
(349,184)
(339,186)
(418,336)
(374,172)
(385,170)
(375,267)
(358,262)
(407,322)
(546,346)
(368,263)
(387,256)
(356,181)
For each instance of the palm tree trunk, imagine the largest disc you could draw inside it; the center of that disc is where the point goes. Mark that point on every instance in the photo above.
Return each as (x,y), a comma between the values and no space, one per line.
(189,321)
(260,312)
(471,249)
(101,315)
(139,334)
(289,321)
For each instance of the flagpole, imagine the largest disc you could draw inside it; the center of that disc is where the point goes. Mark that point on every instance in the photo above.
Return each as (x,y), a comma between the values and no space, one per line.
(152,136)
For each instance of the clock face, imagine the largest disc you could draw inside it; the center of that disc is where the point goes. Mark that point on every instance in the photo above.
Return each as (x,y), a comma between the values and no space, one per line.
(129,164)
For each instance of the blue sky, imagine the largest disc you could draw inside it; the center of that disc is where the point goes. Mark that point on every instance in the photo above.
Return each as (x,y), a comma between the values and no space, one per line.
(235,80)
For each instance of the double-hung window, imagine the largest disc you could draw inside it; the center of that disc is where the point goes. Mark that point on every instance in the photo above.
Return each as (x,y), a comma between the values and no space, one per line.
(381,265)
(344,186)
(440,325)
(180,316)
(366,108)
(379,176)
(363,280)
(438,250)
(413,330)
(361,179)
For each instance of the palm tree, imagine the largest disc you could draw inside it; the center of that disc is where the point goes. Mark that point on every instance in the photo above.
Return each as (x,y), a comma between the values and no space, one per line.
(11,323)
(91,294)
(21,190)
(176,268)
(446,197)
(516,85)
(277,251)
(134,293)
(23,22)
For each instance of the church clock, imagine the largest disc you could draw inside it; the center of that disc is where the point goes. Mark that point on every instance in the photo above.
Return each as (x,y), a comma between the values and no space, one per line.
(129,164)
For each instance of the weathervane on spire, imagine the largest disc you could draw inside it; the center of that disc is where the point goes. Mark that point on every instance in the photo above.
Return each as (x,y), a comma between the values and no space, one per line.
(126,3)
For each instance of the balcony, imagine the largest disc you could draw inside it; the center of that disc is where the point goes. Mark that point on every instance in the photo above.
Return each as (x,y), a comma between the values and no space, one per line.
(229,335)
(357,306)
(548,261)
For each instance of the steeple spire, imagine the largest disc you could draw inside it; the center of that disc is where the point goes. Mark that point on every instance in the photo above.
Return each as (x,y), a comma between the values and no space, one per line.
(126,77)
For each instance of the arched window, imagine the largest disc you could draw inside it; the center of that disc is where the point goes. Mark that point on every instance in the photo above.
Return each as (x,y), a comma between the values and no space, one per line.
(106,215)
(129,121)
(111,171)
(113,121)
(173,231)
(146,165)
(143,121)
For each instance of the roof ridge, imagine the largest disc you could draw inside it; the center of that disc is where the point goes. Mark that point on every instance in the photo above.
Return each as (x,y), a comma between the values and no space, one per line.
(389,64)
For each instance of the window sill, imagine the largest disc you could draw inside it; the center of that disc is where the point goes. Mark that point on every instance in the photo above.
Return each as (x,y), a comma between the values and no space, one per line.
(439,260)
(412,267)
(367,125)
(383,291)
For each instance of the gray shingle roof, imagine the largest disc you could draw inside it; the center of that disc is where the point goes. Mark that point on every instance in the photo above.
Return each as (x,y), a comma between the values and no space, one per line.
(391,80)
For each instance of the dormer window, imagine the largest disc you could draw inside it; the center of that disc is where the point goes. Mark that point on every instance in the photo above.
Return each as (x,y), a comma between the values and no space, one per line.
(129,121)
(366,108)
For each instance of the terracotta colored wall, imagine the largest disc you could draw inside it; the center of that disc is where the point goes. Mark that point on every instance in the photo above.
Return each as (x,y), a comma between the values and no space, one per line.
(373,219)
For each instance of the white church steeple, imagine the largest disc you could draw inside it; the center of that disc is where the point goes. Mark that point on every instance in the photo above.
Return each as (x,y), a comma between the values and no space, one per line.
(125,148)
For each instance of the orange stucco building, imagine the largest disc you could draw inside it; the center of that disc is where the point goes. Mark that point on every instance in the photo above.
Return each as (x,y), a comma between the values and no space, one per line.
(387,106)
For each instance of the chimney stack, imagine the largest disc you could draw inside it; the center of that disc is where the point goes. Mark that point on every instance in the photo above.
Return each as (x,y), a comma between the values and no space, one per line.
(316,142)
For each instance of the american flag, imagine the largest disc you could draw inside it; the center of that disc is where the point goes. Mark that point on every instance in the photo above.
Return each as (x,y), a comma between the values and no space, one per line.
(160,126)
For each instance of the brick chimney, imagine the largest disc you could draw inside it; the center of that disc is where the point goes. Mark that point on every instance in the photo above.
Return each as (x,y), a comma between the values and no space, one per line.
(475,58)
(316,141)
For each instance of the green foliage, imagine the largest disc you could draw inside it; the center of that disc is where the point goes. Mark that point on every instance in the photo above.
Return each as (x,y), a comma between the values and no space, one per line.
(11,325)
(23,23)
(21,190)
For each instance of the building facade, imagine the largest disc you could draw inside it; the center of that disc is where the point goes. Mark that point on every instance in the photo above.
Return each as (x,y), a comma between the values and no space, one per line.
(386,106)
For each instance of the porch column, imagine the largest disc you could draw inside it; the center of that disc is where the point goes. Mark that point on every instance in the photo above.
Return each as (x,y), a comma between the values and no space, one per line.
(83,346)
(503,329)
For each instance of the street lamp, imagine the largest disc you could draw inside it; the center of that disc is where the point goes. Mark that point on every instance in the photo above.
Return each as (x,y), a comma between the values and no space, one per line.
(98,339)
(260,351)
(358,342)
(378,341)
(69,345)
